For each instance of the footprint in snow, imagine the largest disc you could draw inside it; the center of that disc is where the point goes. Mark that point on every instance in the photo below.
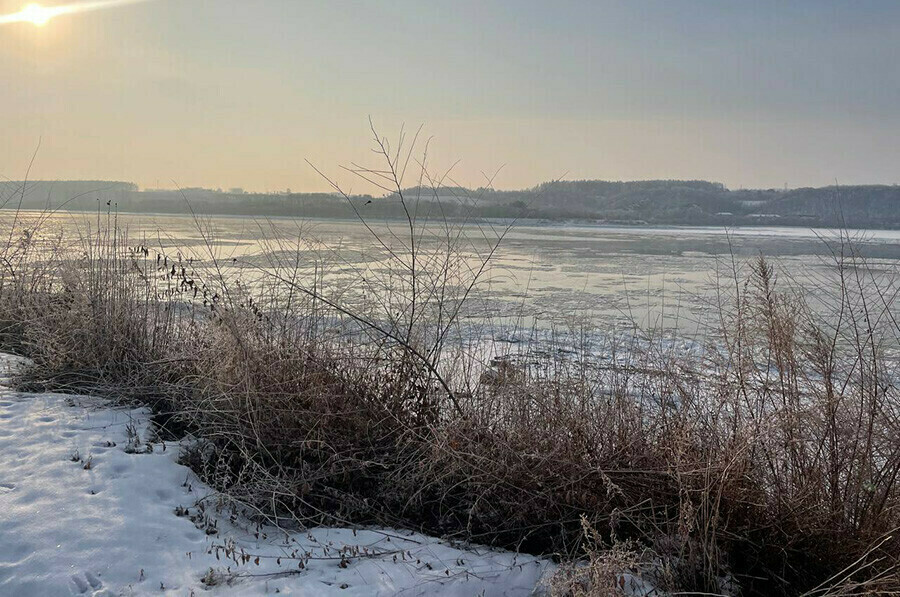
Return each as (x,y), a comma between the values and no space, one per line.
(87,582)
(6,488)
(120,468)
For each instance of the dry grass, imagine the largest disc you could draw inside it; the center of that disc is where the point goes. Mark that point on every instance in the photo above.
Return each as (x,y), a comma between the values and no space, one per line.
(768,464)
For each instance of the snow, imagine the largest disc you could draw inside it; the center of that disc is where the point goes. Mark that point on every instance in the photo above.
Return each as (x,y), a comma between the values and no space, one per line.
(88,507)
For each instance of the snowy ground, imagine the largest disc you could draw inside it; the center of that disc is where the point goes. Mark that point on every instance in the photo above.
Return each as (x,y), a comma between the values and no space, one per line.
(88,508)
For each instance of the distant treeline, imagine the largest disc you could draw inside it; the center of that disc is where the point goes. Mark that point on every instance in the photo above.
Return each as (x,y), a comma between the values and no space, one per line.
(676,202)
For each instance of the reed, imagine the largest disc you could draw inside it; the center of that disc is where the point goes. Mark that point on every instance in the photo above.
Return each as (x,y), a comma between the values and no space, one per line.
(766,465)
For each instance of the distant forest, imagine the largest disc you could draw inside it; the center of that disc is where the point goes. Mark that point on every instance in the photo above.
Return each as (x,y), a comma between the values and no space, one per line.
(661,202)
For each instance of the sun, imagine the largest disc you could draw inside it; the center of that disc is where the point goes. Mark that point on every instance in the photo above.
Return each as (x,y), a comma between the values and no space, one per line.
(39,15)
(36,14)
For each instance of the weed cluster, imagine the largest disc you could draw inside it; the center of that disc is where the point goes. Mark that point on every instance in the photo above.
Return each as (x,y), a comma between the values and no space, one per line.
(769,463)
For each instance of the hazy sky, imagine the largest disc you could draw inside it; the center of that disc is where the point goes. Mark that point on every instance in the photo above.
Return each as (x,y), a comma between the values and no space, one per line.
(228,93)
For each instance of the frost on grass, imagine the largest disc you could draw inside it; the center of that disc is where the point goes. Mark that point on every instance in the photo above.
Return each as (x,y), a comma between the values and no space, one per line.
(89,506)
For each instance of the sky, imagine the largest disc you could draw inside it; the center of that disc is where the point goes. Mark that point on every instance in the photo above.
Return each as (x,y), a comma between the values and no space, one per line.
(240,93)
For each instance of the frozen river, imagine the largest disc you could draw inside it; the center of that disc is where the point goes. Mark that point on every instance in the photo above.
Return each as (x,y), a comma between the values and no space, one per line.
(663,277)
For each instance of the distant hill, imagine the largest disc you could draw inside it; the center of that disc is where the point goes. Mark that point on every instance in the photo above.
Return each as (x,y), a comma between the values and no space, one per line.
(62,193)
(672,202)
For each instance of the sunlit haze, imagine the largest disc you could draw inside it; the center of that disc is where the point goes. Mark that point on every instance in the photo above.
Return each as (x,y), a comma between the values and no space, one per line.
(229,93)
(39,15)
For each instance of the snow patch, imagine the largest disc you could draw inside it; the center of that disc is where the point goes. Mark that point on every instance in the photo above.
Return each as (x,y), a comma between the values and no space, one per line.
(80,514)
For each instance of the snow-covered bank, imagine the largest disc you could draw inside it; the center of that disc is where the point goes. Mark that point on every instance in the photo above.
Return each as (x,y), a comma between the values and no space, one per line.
(88,507)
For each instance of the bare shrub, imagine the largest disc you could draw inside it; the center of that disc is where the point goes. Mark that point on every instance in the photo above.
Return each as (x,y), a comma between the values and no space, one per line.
(333,391)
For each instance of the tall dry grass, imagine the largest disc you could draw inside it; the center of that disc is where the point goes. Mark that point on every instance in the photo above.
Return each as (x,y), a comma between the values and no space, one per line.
(766,465)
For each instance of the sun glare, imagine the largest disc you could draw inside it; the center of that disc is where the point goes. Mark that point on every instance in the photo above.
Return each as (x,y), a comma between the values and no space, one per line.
(39,15)
(36,14)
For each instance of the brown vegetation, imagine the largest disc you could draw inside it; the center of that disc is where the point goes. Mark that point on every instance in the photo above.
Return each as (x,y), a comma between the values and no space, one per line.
(769,464)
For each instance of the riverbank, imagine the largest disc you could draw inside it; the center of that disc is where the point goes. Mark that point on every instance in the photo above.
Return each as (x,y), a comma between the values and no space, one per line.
(769,463)
(92,502)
